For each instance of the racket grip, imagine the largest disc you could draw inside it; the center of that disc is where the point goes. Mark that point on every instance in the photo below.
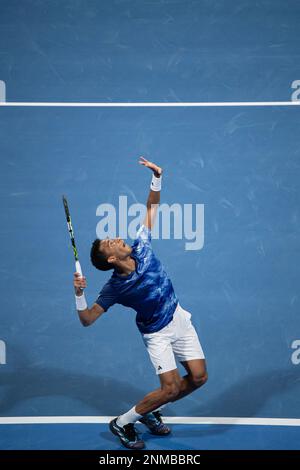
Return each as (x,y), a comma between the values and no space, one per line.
(78,268)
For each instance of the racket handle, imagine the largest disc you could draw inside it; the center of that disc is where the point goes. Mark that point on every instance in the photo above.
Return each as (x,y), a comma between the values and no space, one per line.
(78,268)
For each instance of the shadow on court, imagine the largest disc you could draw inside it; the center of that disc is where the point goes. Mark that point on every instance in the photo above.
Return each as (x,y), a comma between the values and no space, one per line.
(247,397)
(25,382)
(108,397)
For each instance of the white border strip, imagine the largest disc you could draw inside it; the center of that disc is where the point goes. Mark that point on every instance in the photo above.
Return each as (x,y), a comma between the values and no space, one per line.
(168,420)
(149,105)
(2,91)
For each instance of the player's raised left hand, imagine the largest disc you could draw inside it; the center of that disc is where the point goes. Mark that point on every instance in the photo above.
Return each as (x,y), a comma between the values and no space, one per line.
(157,170)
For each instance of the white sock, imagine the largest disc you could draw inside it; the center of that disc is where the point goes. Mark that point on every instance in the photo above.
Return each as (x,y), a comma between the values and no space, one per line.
(130,417)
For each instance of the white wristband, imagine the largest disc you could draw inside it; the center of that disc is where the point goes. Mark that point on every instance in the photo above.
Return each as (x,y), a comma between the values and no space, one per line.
(155,183)
(81,302)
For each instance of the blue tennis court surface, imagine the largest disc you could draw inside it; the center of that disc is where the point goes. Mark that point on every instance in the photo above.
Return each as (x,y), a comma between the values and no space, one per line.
(242,164)
(184,437)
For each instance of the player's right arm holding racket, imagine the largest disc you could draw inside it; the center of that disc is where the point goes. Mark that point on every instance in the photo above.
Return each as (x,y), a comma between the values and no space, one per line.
(87,316)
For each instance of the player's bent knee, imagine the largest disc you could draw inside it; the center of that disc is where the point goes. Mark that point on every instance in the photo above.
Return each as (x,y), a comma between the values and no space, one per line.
(199,379)
(172,391)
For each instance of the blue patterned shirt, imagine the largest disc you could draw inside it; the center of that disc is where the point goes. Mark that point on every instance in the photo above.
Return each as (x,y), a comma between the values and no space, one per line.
(148,289)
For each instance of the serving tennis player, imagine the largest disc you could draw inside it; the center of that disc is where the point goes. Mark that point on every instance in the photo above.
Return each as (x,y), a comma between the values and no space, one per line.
(140,281)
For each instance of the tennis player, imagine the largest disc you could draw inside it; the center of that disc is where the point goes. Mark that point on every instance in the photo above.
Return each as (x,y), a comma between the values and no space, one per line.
(139,281)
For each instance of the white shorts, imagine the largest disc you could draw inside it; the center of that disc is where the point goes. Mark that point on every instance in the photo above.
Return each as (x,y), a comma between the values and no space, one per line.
(178,338)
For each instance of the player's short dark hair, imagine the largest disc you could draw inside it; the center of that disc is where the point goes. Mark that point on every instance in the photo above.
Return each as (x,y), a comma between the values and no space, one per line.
(98,258)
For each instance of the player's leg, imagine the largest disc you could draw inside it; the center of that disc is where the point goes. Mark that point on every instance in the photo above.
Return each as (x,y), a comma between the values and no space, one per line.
(195,378)
(189,352)
(123,426)
(162,357)
(168,391)
(156,400)
(176,387)
(179,339)
(197,372)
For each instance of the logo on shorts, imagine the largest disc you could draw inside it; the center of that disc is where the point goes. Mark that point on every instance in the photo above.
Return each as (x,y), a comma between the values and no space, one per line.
(159,368)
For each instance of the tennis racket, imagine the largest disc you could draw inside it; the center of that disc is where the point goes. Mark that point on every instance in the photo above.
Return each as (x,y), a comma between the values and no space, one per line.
(71,233)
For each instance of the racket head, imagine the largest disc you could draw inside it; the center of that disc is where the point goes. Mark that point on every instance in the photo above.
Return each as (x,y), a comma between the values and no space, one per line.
(65,203)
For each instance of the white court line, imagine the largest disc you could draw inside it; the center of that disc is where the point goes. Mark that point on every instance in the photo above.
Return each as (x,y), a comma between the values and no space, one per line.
(168,420)
(149,105)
